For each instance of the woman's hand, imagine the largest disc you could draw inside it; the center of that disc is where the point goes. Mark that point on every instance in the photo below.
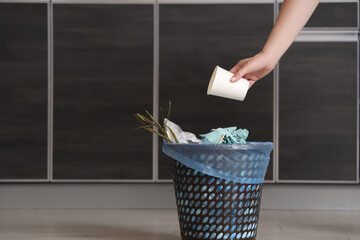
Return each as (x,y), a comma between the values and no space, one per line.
(253,68)
(292,17)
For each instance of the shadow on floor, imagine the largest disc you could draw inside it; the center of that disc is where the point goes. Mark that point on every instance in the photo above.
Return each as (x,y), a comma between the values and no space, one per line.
(67,229)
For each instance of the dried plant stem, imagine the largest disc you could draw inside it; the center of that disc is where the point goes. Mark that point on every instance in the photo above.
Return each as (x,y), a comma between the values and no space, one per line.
(149,122)
(163,136)
(173,134)
(168,115)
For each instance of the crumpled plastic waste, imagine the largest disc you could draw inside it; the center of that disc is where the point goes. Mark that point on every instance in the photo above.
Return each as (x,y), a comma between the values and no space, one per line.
(181,136)
(226,135)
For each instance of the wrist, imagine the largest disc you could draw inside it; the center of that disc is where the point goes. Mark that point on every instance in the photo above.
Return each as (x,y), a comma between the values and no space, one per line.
(270,60)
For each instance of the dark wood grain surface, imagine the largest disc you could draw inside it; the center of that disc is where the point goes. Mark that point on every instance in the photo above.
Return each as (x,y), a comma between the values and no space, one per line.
(334,15)
(23,96)
(103,56)
(194,38)
(318,110)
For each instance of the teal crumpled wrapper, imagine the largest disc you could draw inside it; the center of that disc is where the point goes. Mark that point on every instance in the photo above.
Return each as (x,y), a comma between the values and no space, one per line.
(231,135)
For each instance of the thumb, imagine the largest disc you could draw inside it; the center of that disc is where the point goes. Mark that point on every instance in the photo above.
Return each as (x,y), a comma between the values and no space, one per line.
(239,74)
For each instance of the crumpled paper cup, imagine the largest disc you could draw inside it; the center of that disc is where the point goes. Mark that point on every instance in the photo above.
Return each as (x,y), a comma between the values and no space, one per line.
(221,86)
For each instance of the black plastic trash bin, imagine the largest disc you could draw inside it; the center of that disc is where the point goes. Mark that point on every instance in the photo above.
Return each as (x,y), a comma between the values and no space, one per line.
(218,192)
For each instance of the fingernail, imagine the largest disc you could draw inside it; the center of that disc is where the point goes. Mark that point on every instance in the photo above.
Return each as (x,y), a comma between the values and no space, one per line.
(233,79)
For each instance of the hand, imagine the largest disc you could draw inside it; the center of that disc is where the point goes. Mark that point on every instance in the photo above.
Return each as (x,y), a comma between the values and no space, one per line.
(253,68)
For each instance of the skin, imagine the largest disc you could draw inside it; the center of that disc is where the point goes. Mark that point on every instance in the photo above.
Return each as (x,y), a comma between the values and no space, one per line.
(292,17)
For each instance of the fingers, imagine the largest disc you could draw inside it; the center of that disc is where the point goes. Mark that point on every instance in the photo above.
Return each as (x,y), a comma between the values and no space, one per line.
(234,69)
(238,66)
(239,74)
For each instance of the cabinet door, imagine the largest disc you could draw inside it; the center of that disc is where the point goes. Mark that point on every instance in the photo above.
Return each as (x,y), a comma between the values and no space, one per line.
(194,38)
(318,112)
(103,72)
(23,96)
(335,15)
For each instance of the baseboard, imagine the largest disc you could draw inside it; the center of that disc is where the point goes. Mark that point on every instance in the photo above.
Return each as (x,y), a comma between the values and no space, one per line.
(161,195)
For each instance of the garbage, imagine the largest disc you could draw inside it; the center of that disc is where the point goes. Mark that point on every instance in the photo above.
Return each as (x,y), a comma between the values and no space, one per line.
(148,122)
(180,135)
(172,133)
(222,153)
(226,135)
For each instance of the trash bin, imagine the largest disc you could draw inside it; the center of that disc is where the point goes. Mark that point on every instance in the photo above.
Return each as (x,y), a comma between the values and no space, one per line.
(218,188)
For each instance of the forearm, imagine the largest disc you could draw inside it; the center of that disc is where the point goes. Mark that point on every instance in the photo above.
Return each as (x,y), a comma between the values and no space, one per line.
(292,17)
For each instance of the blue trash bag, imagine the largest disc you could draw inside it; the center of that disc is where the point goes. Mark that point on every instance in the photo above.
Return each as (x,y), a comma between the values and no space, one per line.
(243,163)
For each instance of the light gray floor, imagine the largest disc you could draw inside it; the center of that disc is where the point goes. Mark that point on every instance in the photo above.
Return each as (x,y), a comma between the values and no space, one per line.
(163,225)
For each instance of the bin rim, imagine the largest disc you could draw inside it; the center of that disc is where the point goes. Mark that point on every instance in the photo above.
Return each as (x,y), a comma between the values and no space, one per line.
(229,146)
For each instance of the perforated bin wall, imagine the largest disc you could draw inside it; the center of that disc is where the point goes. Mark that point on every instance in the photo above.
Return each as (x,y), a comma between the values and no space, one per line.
(214,208)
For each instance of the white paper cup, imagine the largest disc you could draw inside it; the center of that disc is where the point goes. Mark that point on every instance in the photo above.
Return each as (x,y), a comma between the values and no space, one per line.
(221,86)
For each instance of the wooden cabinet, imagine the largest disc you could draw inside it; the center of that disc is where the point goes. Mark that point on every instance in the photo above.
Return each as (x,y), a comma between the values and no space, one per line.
(103,72)
(24,91)
(318,112)
(103,58)
(338,15)
(334,15)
